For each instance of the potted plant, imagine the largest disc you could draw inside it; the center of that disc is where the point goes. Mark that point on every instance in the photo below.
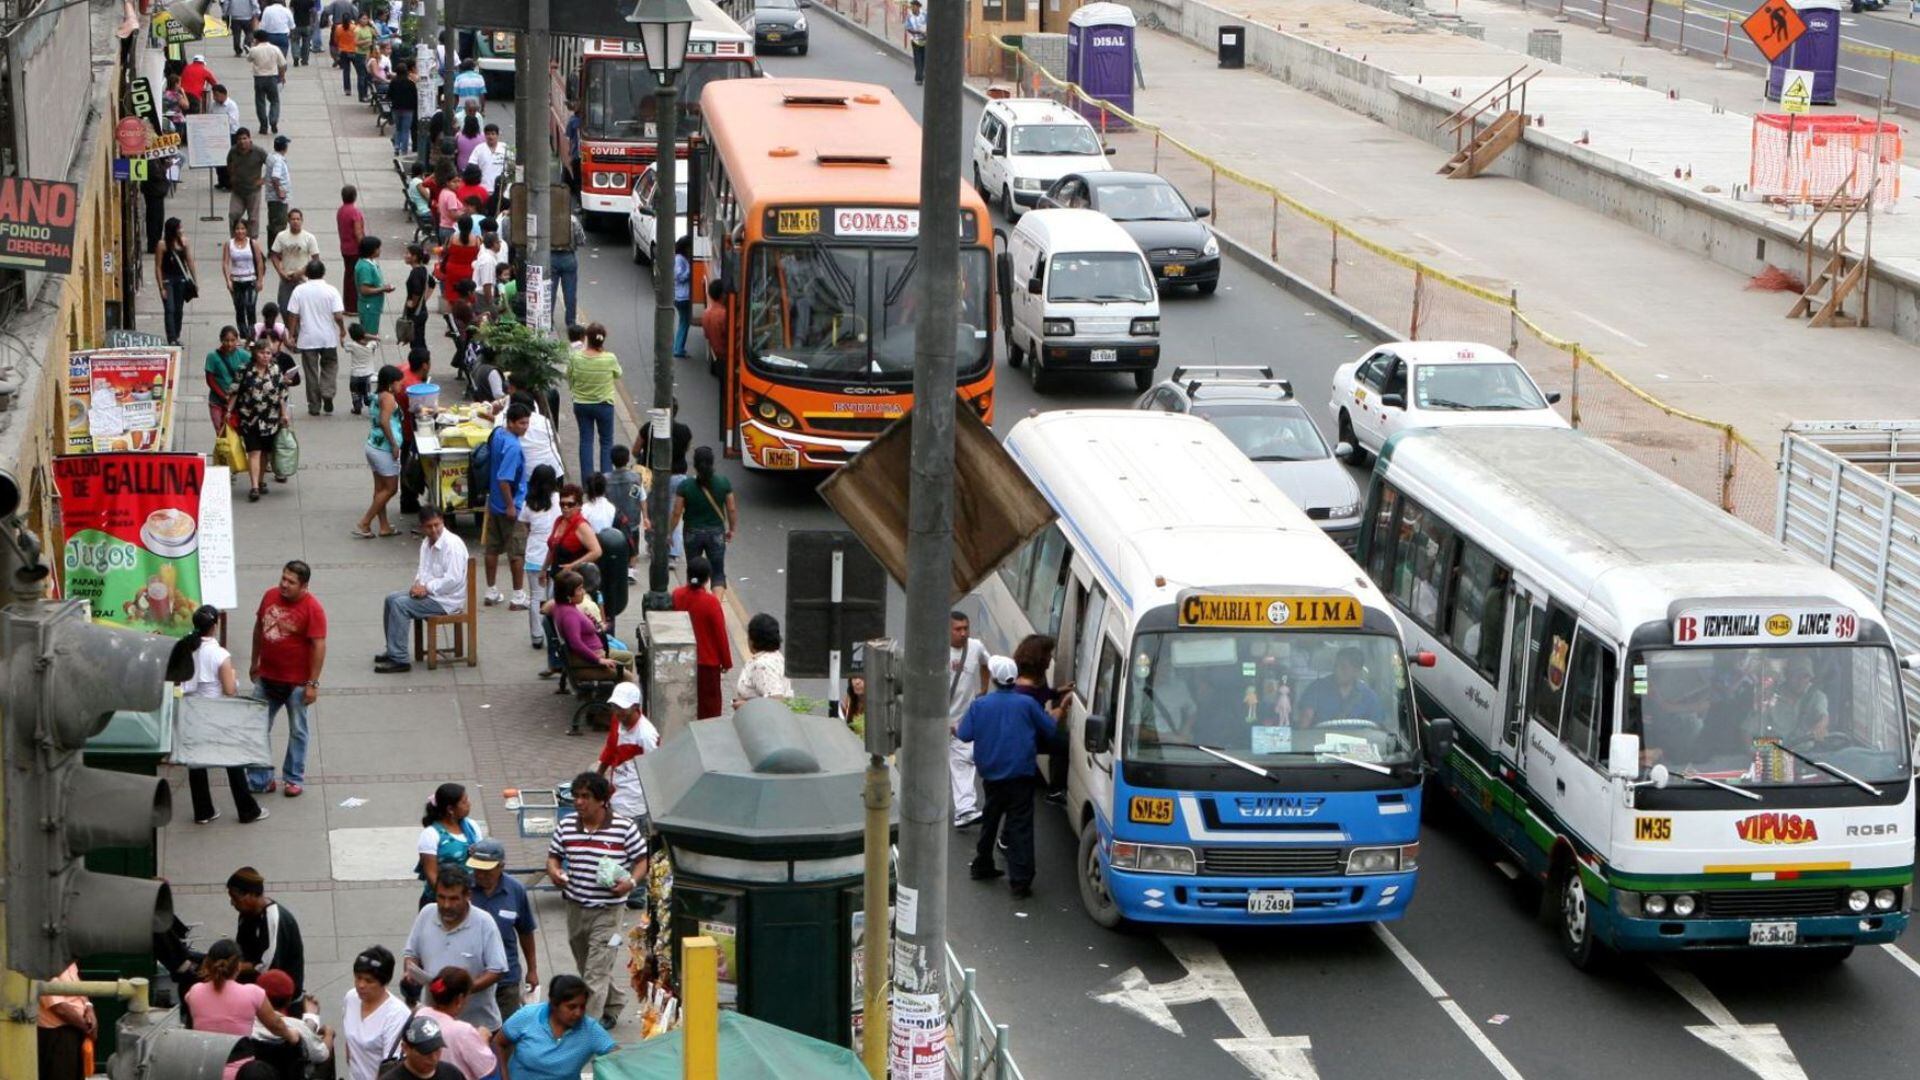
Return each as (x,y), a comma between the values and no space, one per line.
(534,361)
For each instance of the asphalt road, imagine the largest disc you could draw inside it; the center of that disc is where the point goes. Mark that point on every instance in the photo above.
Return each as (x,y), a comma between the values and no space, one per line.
(1470,984)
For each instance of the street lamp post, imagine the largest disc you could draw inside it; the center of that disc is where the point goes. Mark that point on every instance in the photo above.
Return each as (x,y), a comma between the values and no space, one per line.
(664,27)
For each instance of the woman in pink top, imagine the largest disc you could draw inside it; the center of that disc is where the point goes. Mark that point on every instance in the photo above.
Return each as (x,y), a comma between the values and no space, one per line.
(468,1048)
(220,1005)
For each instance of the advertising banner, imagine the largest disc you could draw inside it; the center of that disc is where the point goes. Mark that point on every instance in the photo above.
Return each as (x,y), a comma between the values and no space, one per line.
(121,399)
(36,224)
(130,537)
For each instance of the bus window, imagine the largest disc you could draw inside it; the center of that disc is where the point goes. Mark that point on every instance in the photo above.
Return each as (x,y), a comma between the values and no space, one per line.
(1406,546)
(1096,609)
(1044,593)
(1550,658)
(1104,683)
(1479,608)
(1590,704)
(1017,571)
(1432,556)
(1380,555)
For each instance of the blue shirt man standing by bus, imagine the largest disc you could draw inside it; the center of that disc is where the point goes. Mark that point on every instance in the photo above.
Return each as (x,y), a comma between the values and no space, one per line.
(1007,729)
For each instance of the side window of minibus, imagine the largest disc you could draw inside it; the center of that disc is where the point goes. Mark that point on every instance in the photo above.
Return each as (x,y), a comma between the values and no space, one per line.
(1044,593)
(1107,680)
(1479,602)
(1406,546)
(1550,662)
(1380,555)
(1589,724)
(1093,611)
(1018,570)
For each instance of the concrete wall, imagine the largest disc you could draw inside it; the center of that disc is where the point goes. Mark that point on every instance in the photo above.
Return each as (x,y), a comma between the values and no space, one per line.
(1686,219)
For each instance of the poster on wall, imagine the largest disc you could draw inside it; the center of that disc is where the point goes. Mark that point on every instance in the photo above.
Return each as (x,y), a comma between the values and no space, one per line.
(726,940)
(121,399)
(37,220)
(130,536)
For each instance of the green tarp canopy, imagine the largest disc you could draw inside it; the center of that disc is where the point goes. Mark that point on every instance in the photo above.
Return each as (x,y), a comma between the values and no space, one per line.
(749,1050)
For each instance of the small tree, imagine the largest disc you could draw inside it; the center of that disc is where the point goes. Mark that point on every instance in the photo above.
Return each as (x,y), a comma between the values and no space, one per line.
(534,361)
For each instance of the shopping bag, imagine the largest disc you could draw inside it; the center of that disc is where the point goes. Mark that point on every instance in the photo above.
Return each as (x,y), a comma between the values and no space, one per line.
(286,454)
(230,451)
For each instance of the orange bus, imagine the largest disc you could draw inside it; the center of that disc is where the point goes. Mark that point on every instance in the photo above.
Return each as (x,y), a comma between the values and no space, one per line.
(609,80)
(811,196)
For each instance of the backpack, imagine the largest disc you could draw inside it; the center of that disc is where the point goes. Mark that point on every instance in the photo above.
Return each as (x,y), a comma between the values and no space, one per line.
(480,468)
(627,496)
(479,379)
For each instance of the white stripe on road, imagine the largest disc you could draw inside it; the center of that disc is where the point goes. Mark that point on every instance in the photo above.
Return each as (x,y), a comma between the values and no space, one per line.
(1621,334)
(1900,955)
(1451,1007)
(1210,978)
(1759,1047)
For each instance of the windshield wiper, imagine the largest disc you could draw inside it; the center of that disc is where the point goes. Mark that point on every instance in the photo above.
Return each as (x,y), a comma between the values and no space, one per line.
(906,275)
(1445,403)
(1833,771)
(1721,784)
(1281,457)
(1221,754)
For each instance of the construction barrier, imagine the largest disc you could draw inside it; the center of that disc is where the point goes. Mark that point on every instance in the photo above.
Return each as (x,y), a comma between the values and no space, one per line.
(1809,158)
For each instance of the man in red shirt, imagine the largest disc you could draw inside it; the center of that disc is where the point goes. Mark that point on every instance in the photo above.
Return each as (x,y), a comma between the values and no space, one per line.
(195,78)
(351,224)
(289,649)
(712,657)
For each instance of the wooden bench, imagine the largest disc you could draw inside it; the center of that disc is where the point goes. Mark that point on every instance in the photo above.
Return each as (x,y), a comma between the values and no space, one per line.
(465,624)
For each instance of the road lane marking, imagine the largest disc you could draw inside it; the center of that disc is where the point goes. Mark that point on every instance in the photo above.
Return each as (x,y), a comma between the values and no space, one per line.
(1210,978)
(1900,954)
(1760,1048)
(1451,1007)
(1621,334)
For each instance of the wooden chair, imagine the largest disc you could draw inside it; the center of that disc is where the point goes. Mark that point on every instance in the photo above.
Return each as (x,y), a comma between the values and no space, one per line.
(465,624)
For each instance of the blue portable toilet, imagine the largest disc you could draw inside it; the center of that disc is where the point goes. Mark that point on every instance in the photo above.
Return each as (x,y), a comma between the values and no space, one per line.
(1817,50)
(1100,57)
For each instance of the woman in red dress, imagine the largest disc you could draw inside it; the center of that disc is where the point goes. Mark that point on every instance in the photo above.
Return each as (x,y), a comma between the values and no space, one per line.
(456,262)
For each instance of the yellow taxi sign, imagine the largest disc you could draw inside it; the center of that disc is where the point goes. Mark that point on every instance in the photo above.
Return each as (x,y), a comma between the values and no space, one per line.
(1337,611)
(1150,810)
(797,221)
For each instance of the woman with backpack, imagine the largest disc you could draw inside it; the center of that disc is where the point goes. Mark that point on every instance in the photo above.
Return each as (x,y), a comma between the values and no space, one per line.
(705,503)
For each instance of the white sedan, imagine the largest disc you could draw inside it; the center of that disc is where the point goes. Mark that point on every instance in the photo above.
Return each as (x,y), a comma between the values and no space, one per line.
(640,218)
(1419,384)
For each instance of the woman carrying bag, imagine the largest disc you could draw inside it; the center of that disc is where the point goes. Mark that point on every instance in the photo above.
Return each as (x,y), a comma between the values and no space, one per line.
(260,413)
(173,269)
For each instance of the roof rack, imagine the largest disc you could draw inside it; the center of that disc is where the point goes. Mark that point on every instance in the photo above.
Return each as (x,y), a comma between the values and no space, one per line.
(1180,373)
(1184,374)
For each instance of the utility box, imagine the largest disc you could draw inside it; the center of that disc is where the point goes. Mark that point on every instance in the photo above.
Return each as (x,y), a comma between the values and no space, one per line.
(671,698)
(1100,59)
(1817,50)
(1233,46)
(762,815)
(1544,45)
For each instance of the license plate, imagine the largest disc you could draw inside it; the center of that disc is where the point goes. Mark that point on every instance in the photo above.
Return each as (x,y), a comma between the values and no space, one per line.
(1773,933)
(1269,902)
(1105,356)
(773,37)
(1175,271)
(780,458)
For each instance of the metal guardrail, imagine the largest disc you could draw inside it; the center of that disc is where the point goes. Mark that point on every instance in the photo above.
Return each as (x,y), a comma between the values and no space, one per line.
(979,1048)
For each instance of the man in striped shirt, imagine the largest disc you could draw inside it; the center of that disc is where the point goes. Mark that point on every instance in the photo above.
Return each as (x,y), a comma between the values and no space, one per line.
(596,859)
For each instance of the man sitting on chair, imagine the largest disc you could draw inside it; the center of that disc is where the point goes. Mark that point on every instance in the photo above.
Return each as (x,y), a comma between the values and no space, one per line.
(439,588)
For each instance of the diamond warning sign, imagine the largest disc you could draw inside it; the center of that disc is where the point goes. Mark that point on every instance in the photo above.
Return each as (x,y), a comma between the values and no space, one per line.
(1774,26)
(1796,92)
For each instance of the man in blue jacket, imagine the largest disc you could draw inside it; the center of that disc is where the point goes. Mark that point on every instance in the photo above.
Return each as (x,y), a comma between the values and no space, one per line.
(1007,729)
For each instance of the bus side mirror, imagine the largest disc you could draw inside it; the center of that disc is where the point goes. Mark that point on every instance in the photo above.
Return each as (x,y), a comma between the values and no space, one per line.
(1440,736)
(1423,658)
(1097,735)
(1623,757)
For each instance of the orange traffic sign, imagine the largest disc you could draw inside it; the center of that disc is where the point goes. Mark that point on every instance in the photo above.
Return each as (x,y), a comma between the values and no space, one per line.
(1774,26)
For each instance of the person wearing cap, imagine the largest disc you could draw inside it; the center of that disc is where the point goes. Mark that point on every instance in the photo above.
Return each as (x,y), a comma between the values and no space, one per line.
(279,189)
(1007,730)
(372,1017)
(267,934)
(629,736)
(302,1017)
(505,898)
(420,1047)
(452,934)
(195,79)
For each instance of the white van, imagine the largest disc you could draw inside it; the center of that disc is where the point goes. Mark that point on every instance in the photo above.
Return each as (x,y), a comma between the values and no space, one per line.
(1024,144)
(1079,296)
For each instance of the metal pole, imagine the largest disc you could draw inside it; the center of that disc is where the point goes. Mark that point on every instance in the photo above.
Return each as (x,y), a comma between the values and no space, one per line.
(1680,46)
(423,115)
(882,715)
(536,150)
(666,123)
(920,969)
(1513,321)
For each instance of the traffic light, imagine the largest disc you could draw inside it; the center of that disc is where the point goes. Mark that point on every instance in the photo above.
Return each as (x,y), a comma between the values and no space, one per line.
(62,677)
(156,1046)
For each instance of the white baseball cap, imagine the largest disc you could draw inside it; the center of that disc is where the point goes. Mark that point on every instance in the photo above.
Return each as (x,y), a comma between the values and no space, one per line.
(1003,669)
(199,59)
(626,695)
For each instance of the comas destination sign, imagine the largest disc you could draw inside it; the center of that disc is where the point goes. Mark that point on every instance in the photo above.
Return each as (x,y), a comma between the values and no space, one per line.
(1337,611)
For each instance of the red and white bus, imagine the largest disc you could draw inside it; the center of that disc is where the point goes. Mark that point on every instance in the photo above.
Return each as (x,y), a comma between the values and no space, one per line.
(609,80)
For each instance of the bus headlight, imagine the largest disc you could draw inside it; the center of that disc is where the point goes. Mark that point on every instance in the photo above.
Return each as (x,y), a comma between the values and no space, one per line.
(1684,906)
(1059,328)
(769,411)
(1151,858)
(1654,905)
(1857,900)
(1885,899)
(1383,860)
(1144,328)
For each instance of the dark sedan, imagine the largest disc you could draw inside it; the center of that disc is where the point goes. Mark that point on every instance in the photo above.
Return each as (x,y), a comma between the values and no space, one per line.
(1179,247)
(779,24)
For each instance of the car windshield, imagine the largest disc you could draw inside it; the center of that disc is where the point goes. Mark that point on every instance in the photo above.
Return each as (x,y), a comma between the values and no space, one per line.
(1741,715)
(1273,698)
(1099,277)
(1268,432)
(620,95)
(849,311)
(1465,387)
(1141,202)
(778,5)
(1055,139)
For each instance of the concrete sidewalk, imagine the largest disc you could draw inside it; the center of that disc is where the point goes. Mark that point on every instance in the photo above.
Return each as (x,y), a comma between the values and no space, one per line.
(341,857)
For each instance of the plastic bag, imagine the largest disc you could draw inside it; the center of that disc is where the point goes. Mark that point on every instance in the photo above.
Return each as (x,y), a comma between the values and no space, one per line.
(230,451)
(286,454)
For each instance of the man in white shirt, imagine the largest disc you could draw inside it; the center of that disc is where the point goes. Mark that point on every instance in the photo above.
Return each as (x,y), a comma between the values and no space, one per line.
(224,104)
(967,679)
(276,24)
(280,193)
(316,317)
(439,588)
(631,737)
(269,65)
(486,272)
(492,159)
(292,250)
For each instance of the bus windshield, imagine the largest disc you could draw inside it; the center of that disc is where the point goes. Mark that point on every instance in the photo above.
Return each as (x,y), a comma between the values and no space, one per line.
(848,311)
(1273,698)
(620,95)
(1740,715)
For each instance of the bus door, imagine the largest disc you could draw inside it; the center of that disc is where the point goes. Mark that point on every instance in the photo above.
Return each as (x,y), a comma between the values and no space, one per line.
(1091,773)
(1526,610)
(1549,654)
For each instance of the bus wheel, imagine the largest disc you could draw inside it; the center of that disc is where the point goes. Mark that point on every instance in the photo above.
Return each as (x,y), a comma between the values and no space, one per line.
(1575,919)
(1093,880)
